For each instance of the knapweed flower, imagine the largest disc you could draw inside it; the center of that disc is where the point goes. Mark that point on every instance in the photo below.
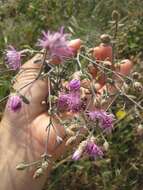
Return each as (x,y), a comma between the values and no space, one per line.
(77,154)
(74,103)
(63,102)
(14,103)
(69,102)
(79,151)
(74,85)
(57,44)
(105,119)
(13,58)
(93,149)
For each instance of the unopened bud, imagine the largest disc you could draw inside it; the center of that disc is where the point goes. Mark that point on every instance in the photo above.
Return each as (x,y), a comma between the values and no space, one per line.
(136,75)
(115,15)
(21,166)
(82,145)
(45,165)
(125,87)
(38,173)
(140,129)
(105,38)
(106,145)
(138,86)
(107,64)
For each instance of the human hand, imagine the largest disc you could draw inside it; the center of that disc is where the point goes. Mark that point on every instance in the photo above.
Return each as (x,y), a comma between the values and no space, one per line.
(25,131)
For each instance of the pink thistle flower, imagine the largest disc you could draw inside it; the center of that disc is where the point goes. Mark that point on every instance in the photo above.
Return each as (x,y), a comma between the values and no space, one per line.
(77,154)
(15,103)
(105,119)
(57,44)
(93,149)
(69,102)
(79,151)
(74,85)
(63,102)
(13,58)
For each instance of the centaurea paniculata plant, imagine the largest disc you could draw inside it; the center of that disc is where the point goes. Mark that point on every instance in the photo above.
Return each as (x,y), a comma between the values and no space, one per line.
(76,94)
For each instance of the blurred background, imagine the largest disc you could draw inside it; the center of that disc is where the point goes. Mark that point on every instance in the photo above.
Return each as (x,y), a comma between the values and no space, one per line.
(21,23)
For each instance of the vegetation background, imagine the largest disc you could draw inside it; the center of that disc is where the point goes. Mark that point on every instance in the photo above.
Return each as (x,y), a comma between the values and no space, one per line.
(21,22)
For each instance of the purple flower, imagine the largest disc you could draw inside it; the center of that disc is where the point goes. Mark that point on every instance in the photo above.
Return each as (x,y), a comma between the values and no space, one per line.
(105,119)
(93,149)
(13,58)
(74,85)
(14,103)
(77,154)
(57,44)
(63,102)
(74,102)
(80,150)
(69,102)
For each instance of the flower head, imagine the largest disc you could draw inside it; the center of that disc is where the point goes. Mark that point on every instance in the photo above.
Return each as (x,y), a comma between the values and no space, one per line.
(13,58)
(69,102)
(14,103)
(93,149)
(57,44)
(105,119)
(77,154)
(63,102)
(74,85)
(79,151)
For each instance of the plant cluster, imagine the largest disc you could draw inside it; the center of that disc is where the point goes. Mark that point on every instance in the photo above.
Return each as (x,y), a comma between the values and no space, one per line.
(86,93)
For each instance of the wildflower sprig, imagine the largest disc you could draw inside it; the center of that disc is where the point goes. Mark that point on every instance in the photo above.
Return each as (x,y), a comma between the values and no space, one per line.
(79,96)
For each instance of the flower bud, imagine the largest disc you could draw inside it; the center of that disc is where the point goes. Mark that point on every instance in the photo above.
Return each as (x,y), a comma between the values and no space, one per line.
(21,166)
(125,87)
(77,154)
(106,145)
(45,165)
(38,173)
(115,15)
(136,75)
(105,38)
(14,102)
(139,129)
(138,86)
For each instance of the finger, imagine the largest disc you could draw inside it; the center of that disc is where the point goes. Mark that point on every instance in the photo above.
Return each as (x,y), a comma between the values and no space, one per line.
(124,69)
(47,133)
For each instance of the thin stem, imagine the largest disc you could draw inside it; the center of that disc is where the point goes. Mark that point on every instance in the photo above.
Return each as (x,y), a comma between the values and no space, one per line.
(41,69)
(49,94)
(124,94)
(78,62)
(48,135)
(114,41)
(101,66)
(3,99)
(113,100)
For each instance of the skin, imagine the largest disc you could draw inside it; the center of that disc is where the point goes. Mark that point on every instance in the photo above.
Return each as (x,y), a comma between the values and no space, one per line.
(23,134)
